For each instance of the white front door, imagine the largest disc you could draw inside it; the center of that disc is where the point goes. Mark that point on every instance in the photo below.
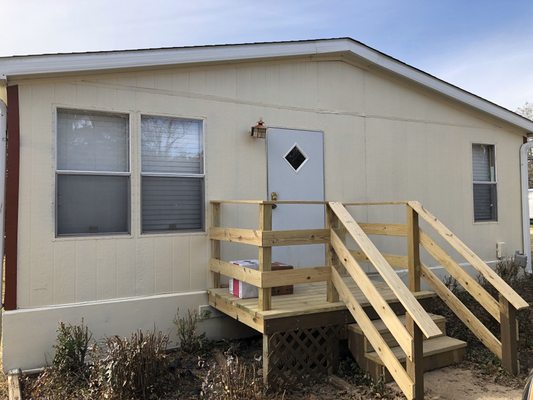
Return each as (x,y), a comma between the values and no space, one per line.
(296,172)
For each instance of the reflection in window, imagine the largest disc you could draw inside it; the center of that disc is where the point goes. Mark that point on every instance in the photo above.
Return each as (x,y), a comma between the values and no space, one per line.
(172,174)
(92,176)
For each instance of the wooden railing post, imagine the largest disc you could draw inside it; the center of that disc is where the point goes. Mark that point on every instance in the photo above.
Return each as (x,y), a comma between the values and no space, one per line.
(265,256)
(413,249)
(332,294)
(415,366)
(509,336)
(215,244)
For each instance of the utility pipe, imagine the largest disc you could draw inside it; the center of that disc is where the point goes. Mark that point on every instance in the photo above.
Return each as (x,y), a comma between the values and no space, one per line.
(524,175)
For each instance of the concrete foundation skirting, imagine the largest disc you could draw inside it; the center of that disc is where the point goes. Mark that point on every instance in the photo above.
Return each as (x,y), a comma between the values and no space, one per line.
(29,334)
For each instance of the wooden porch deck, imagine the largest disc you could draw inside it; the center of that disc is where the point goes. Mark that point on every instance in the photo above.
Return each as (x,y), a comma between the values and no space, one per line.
(306,307)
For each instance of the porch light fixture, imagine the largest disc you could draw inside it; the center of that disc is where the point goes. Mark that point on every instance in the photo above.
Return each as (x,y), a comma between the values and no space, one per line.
(259,130)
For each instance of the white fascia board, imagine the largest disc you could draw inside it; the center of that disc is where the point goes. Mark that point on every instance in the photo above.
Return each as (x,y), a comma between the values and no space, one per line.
(440,86)
(63,63)
(21,66)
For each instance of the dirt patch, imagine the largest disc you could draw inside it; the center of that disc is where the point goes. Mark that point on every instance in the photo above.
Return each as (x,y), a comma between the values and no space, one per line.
(459,383)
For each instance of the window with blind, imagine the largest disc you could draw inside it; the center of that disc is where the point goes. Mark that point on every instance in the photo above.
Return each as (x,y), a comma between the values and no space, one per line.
(172,174)
(484,175)
(92,173)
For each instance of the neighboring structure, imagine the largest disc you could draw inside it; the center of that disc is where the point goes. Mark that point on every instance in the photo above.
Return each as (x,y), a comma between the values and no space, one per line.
(114,156)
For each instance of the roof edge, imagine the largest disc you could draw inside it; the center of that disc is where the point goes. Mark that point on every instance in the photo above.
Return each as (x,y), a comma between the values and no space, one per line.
(21,66)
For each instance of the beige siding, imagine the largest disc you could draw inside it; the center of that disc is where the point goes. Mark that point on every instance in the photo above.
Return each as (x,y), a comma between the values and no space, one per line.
(384,140)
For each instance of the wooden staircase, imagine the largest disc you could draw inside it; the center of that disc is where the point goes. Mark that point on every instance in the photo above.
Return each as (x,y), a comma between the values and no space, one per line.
(439,351)
(401,348)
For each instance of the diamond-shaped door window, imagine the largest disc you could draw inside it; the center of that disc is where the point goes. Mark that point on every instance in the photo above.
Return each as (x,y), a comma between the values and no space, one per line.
(296,158)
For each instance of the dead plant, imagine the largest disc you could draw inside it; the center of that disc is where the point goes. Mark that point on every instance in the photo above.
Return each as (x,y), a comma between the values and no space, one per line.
(231,379)
(131,368)
(189,338)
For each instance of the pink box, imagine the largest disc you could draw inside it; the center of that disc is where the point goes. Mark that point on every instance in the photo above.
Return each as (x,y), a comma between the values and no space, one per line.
(241,289)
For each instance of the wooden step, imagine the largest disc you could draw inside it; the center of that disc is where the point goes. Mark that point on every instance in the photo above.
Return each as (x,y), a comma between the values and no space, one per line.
(354,331)
(439,352)
(380,325)
(432,346)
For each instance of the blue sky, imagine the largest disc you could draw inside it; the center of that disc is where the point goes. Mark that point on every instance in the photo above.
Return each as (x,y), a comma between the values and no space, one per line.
(482,46)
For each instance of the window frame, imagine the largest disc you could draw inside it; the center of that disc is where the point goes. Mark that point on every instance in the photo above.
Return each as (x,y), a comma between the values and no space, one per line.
(493,182)
(58,172)
(201,176)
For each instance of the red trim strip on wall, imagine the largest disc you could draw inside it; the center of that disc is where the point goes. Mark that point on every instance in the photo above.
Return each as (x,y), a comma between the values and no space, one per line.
(12,197)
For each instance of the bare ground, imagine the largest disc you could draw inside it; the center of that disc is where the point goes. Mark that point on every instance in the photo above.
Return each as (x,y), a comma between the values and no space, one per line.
(457,383)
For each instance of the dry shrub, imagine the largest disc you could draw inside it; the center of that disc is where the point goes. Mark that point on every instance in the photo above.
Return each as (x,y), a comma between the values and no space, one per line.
(71,348)
(231,379)
(190,340)
(132,368)
(69,375)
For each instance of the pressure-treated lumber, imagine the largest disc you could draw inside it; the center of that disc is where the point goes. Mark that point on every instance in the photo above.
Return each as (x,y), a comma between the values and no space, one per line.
(268,238)
(431,347)
(215,244)
(332,295)
(378,203)
(248,275)
(415,365)
(465,280)
(413,250)
(253,320)
(509,336)
(294,237)
(412,307)
(265,256)
(463,313)
(237,235)
(395,261)
(13,385)
(479,265)
(295,276)
(364,283)
(384,229)
(382,349)
(237,201)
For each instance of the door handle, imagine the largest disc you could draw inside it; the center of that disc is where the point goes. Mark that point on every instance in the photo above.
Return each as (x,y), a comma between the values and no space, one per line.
(274,197)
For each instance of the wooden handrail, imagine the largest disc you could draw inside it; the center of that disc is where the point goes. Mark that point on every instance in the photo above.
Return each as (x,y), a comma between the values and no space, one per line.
(463,313)
(465,280)
(372,294)
(270,279)
(269,238)
(384,229)
(376,203)
(405,297)
(374,337)
(395,261)
(479,265)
